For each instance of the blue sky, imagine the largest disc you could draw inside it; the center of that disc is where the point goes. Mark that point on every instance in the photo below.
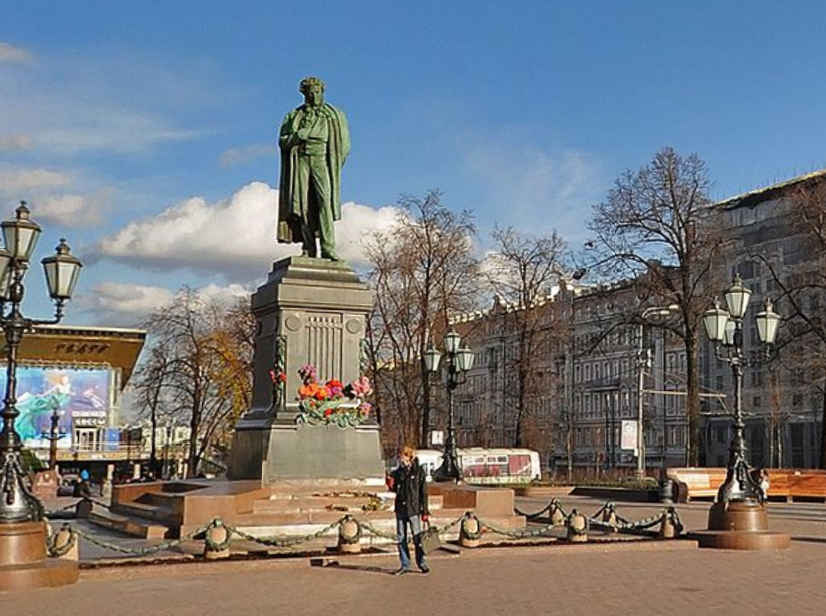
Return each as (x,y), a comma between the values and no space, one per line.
(144,132)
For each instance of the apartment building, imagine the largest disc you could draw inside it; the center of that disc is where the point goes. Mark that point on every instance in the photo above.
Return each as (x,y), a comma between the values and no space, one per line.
(593,346)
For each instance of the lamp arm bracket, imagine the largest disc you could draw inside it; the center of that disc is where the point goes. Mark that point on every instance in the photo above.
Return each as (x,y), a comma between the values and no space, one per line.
(36,322)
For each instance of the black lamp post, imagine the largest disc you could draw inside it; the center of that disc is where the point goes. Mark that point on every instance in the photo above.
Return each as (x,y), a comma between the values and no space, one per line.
(459,361)
(20,236)
(53,436)
(725,327)
(22,530)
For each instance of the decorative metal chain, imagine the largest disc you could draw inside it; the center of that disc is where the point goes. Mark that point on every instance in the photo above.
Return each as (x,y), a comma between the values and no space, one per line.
(377,532)
(518,534)
(620,524)
(283,542)
(143,551)
(452,523)
(536,514)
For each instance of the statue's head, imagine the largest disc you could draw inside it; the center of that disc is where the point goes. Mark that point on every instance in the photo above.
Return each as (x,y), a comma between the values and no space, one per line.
(313,90)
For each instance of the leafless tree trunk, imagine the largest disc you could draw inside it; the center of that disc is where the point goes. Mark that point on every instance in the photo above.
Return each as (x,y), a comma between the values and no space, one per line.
(656,225)
(522,271)
(149,383)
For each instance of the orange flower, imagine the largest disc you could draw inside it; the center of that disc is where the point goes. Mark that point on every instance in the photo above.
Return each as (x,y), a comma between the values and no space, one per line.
(306,391)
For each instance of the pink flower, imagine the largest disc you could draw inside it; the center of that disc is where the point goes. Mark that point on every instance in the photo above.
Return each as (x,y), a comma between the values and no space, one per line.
(361,387)
(308,373)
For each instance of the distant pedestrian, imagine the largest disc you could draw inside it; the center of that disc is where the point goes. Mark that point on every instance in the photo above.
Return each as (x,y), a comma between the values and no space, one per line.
(761,478)
(410,485)
(83,488)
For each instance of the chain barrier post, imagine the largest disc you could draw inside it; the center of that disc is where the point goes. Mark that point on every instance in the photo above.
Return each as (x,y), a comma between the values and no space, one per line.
(577,527)
(83,508)
(470,531)
(609,516)
(217,541)
(349,535)
(64,544)
(671,525)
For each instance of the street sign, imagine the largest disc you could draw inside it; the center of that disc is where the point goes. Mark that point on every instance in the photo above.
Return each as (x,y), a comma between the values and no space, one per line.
(628,440)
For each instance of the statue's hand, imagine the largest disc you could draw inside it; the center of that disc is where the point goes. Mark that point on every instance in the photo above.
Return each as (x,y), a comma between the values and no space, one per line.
(303,134)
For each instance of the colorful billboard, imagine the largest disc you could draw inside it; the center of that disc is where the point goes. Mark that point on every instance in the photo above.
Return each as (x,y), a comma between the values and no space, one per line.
(80,397)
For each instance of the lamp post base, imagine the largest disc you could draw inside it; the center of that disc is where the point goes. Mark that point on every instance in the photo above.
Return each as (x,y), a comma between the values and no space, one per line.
(448,471)
(23,561)
(740,525)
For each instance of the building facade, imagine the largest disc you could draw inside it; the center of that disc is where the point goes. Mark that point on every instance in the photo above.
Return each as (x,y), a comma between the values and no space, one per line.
(594,350)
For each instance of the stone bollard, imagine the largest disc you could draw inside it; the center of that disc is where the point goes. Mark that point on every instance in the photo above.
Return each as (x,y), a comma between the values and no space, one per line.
(668,530)
(349,536)
(577,527)
(64,544)
(470,531)
(217,541)
(557,517)
(609,516)
(83,509)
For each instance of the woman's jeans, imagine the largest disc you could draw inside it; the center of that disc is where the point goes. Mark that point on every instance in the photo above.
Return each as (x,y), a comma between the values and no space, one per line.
(415,524)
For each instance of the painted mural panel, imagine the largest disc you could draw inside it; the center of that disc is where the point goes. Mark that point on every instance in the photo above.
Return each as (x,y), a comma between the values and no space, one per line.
(81,398)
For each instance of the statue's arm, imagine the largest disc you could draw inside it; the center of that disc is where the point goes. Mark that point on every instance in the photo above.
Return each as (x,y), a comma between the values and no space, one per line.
(290,132)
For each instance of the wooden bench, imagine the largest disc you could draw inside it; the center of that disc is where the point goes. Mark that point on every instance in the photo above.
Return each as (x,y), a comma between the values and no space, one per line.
(784,484)
(695,482)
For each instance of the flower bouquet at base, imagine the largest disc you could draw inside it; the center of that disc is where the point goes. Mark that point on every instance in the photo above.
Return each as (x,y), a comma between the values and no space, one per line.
(332,402)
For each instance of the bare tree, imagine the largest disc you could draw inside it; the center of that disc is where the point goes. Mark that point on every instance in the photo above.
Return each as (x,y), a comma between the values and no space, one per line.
(149,383)
(657,225)
(204,353)
(522,271)
(423,270)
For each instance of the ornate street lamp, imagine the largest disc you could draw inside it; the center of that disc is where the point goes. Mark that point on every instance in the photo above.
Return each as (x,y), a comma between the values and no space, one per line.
(740,503)
(459,361)
(21,513)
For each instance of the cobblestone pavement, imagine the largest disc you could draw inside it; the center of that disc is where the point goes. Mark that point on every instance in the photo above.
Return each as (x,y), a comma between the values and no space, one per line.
(652,578)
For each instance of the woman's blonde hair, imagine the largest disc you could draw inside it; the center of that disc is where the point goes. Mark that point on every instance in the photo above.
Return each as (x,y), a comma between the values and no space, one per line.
(408,452)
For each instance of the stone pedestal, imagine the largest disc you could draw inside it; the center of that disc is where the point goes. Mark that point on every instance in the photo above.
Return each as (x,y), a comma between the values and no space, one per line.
(310,311)
(23,561)
(740,525)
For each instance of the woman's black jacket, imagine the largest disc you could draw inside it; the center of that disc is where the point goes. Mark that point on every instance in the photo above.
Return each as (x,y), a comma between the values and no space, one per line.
(410,486)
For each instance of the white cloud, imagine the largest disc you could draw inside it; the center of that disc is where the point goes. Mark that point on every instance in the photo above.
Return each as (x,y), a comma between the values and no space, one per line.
(115,303)
(224,294)
(74,211)
(234,237)
(123,304)
(237,156)
(16,180)
(50,198)
(11,143)
(10,53)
